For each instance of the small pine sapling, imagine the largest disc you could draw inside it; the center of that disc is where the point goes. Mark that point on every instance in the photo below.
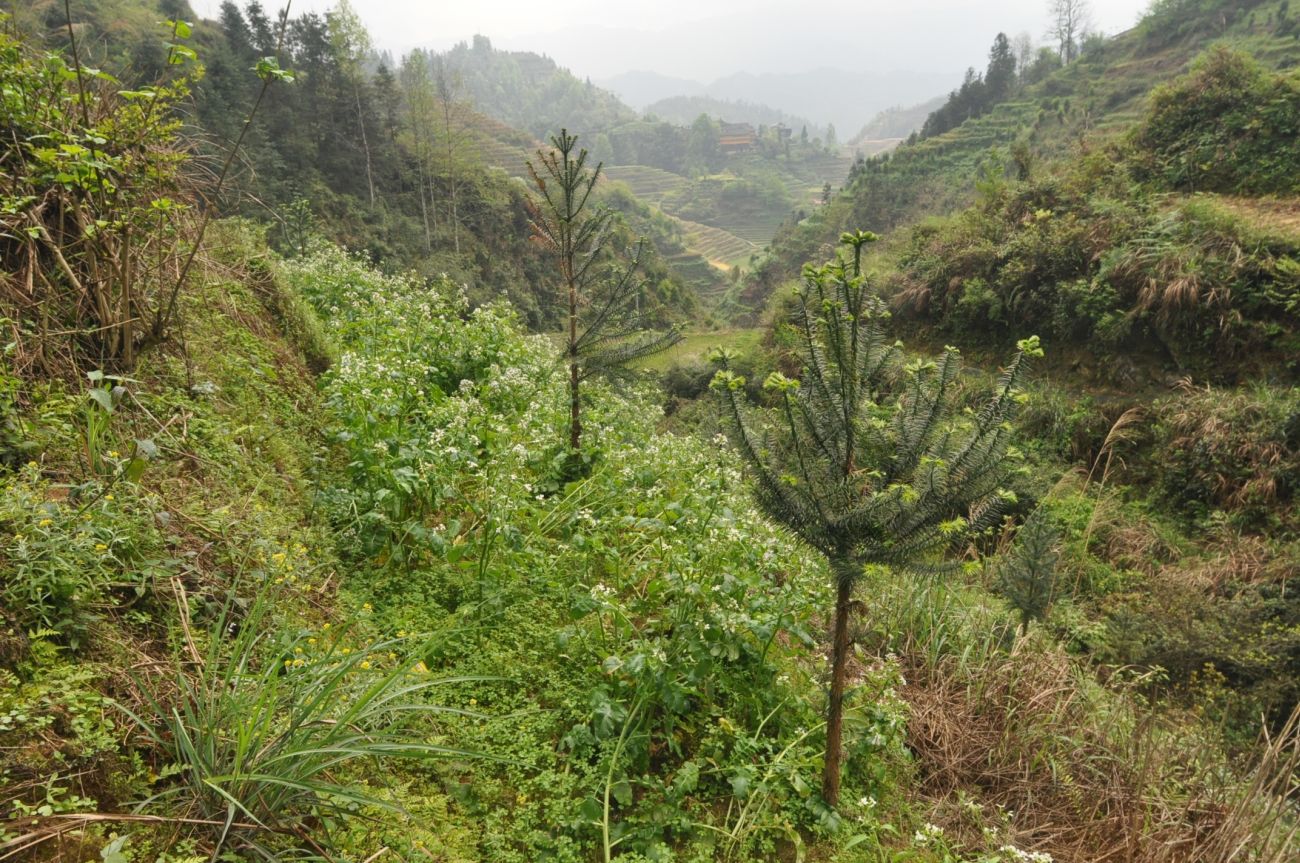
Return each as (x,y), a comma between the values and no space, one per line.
(605,331)
(870,461)
(1027,575)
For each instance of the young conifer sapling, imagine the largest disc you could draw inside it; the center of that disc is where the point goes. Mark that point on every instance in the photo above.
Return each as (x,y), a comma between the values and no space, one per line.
(870,460)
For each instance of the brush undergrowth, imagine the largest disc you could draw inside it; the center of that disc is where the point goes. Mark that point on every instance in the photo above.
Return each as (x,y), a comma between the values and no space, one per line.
(322,639)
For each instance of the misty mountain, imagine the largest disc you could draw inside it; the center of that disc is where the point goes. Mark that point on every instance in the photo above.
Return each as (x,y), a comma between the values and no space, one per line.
(826,95)
(640,89)
(896,122)
(685,109)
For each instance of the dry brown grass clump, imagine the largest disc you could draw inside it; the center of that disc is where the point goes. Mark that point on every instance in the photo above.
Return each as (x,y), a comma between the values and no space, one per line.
(1088,773)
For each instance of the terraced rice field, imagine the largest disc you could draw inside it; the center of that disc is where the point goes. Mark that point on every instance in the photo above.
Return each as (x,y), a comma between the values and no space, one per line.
(708,282)
(720,247)
(756,232)
(501,146)
(649,184)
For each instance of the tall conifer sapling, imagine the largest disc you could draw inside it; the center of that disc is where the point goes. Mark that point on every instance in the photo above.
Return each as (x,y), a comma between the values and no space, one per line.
(604,331)
(869,462)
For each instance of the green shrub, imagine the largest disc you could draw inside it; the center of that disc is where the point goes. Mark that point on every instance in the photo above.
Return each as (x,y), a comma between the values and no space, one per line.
(1092,259)
(64,562)
(1231,452)
(1027,576)
(1227,126)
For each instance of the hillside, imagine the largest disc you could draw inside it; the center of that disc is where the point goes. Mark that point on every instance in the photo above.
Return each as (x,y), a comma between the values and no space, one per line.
(1186,270)
(890,127)
(726,205)
(359,501)
(396,165)
(1087,103)
(1156,254)
(530,92)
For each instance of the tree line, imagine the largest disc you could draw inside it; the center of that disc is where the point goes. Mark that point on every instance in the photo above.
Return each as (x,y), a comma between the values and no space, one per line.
(1014,65)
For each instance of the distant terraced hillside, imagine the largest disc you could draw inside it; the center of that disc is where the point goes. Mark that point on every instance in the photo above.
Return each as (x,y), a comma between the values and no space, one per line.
(806,177)
(1084,104)
(720,247)
(500,146)
(651,185)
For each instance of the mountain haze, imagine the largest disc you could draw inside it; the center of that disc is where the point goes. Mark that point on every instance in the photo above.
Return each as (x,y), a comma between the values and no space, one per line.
(825,95)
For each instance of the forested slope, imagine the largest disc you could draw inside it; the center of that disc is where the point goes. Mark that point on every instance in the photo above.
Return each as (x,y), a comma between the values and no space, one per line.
(389,161)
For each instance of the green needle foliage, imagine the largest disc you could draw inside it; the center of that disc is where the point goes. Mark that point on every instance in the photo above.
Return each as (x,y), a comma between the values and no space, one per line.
(868,462)
(1027,576)
(604,331)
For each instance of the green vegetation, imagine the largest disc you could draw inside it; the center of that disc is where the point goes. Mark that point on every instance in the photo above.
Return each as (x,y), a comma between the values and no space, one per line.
(605,332)
(530,92)
(675,163)
(389,160)
(307,571)
(864,483)
(1093,255)
(1229,126)
(1052,112)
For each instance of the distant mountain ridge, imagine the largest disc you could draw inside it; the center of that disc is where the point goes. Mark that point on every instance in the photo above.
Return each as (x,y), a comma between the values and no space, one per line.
(826,95)
(686,109)
(896,122)
(642,88)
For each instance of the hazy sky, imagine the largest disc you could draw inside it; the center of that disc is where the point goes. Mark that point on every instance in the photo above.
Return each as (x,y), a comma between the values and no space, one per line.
(706,39)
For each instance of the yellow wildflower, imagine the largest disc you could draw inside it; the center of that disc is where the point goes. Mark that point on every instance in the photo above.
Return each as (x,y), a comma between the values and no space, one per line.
(45,522)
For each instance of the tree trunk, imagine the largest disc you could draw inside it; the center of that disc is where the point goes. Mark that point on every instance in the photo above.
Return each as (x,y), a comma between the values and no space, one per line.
(843,570)
(575,406)
(365,144)
(453,210)
(422,188)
